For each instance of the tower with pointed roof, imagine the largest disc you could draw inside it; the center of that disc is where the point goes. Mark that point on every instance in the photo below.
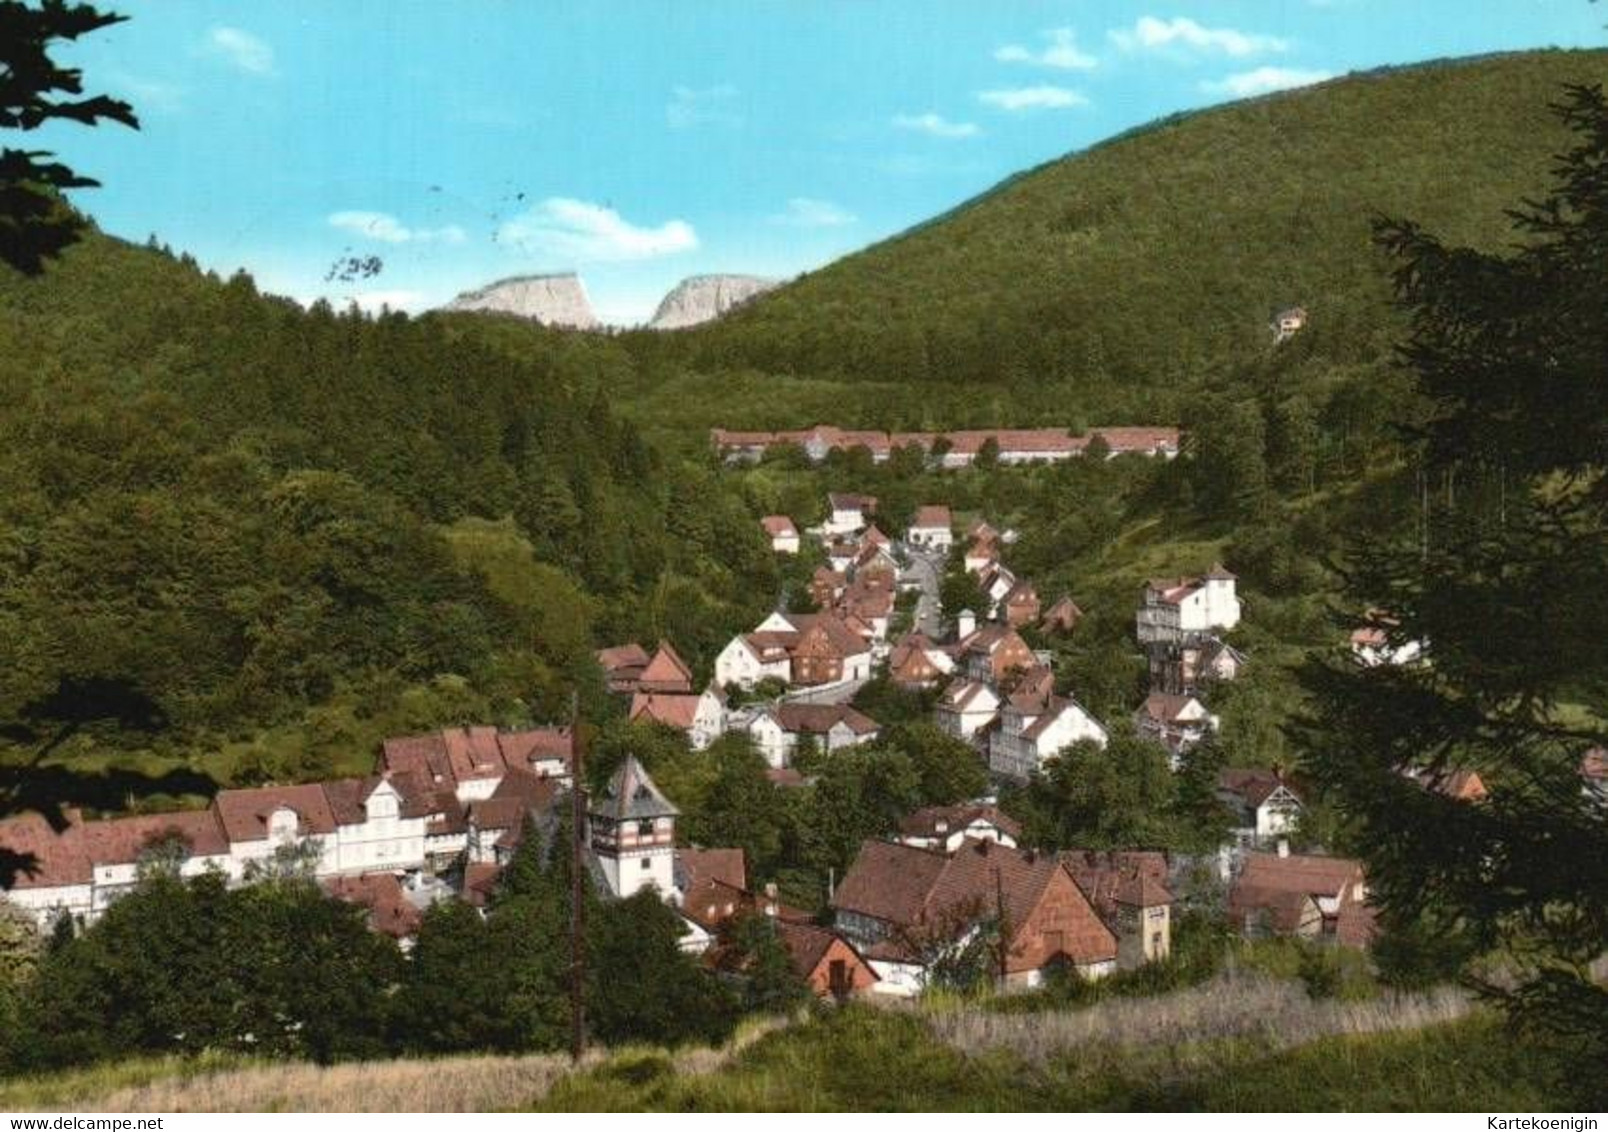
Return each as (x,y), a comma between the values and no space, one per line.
(632,829)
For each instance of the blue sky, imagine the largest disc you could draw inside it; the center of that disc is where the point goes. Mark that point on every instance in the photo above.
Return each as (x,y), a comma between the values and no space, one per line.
(640,142)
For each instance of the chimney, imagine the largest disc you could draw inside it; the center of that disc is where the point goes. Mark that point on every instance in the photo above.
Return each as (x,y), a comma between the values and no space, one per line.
(965,624)
(1284,848)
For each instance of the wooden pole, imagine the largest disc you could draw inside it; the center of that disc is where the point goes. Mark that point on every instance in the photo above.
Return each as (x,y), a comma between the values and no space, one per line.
(577,884)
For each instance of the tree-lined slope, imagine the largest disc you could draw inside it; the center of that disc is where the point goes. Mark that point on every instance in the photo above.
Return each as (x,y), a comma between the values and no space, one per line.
(1147,263)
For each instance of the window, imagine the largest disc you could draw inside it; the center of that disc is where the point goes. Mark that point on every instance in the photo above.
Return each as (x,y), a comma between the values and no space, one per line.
(644,829)
(646,864)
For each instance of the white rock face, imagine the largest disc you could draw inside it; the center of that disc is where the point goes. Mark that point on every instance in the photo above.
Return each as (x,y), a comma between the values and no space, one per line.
(552,300)
(702,298)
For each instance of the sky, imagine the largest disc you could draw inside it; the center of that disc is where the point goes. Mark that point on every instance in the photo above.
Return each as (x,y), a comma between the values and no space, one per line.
(641,141)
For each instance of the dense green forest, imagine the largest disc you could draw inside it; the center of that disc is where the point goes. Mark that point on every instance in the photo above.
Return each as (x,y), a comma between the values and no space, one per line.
(1117,283)
(255,537)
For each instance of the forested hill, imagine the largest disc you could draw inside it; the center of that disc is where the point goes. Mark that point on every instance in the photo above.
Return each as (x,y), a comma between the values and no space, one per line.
(1145,265)
(221,515)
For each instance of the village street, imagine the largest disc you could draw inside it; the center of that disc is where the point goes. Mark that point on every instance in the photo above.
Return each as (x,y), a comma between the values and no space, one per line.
(926,568)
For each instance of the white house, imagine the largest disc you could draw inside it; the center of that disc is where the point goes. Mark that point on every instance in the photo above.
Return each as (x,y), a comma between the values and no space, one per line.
(1176,721)
(1029,736)
(748,658)
(701,717)
(848,513)
(376,826)
(1265,806)
(777,730)
(1174,609)
(782,533)
(947,828)
(932,529)
(966,707)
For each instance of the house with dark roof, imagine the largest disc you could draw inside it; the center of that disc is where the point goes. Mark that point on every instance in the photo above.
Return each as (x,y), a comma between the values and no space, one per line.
(1175,721)
(631,829)
(382,897)
(1265,805)
(1020,605)
(778,729)
(1062,617)
(1030,734)
(471,761)
(849,512)
(916,662)
(946,828)
(622,667)
(1128,889)
(701,718)
(933,528)
(1310,897)
(909,910)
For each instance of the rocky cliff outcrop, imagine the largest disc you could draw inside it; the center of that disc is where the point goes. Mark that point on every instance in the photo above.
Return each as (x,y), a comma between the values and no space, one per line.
(552,300)
(701,298)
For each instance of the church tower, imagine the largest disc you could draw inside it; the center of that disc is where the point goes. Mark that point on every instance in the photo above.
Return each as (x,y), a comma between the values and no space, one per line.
(632,827)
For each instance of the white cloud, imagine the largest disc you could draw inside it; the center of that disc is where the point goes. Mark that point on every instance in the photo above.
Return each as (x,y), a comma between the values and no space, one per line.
(1062,54)
(1263,80)
(1032,98)
(242,49)
(387,229)
(577,231)
(710,106)
(806,212)
(1184,34)
(936,125)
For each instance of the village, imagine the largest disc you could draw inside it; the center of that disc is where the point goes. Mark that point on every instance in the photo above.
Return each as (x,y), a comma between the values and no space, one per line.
(444,812)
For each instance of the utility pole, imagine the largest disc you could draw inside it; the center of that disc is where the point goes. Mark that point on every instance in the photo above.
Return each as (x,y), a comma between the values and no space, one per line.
(577,883)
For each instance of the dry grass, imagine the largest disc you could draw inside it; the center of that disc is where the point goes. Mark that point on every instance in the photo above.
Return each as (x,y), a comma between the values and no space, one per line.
(452,1084)
(1237,1006)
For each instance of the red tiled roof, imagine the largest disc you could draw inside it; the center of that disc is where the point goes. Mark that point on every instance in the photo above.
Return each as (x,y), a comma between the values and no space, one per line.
(389,911)
(934,516)
(666,672)
(890,882)
(1132,878)
(381,894)
(480,882)
(1251,783)
(49,859)
(120,841)
(1282,885)
(522,749)
(1166,707)
(778,525)
(914,889)
(629,655)
(818,719)
(462,754)
(244,814)
(671,709)
(941,821)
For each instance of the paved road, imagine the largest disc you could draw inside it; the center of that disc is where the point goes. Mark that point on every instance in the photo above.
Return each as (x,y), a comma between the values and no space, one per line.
(831,694)
(927,569)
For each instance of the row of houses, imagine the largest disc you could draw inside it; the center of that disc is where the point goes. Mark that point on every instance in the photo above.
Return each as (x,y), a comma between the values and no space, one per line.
(954,449)
(436,802)
(777,728)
